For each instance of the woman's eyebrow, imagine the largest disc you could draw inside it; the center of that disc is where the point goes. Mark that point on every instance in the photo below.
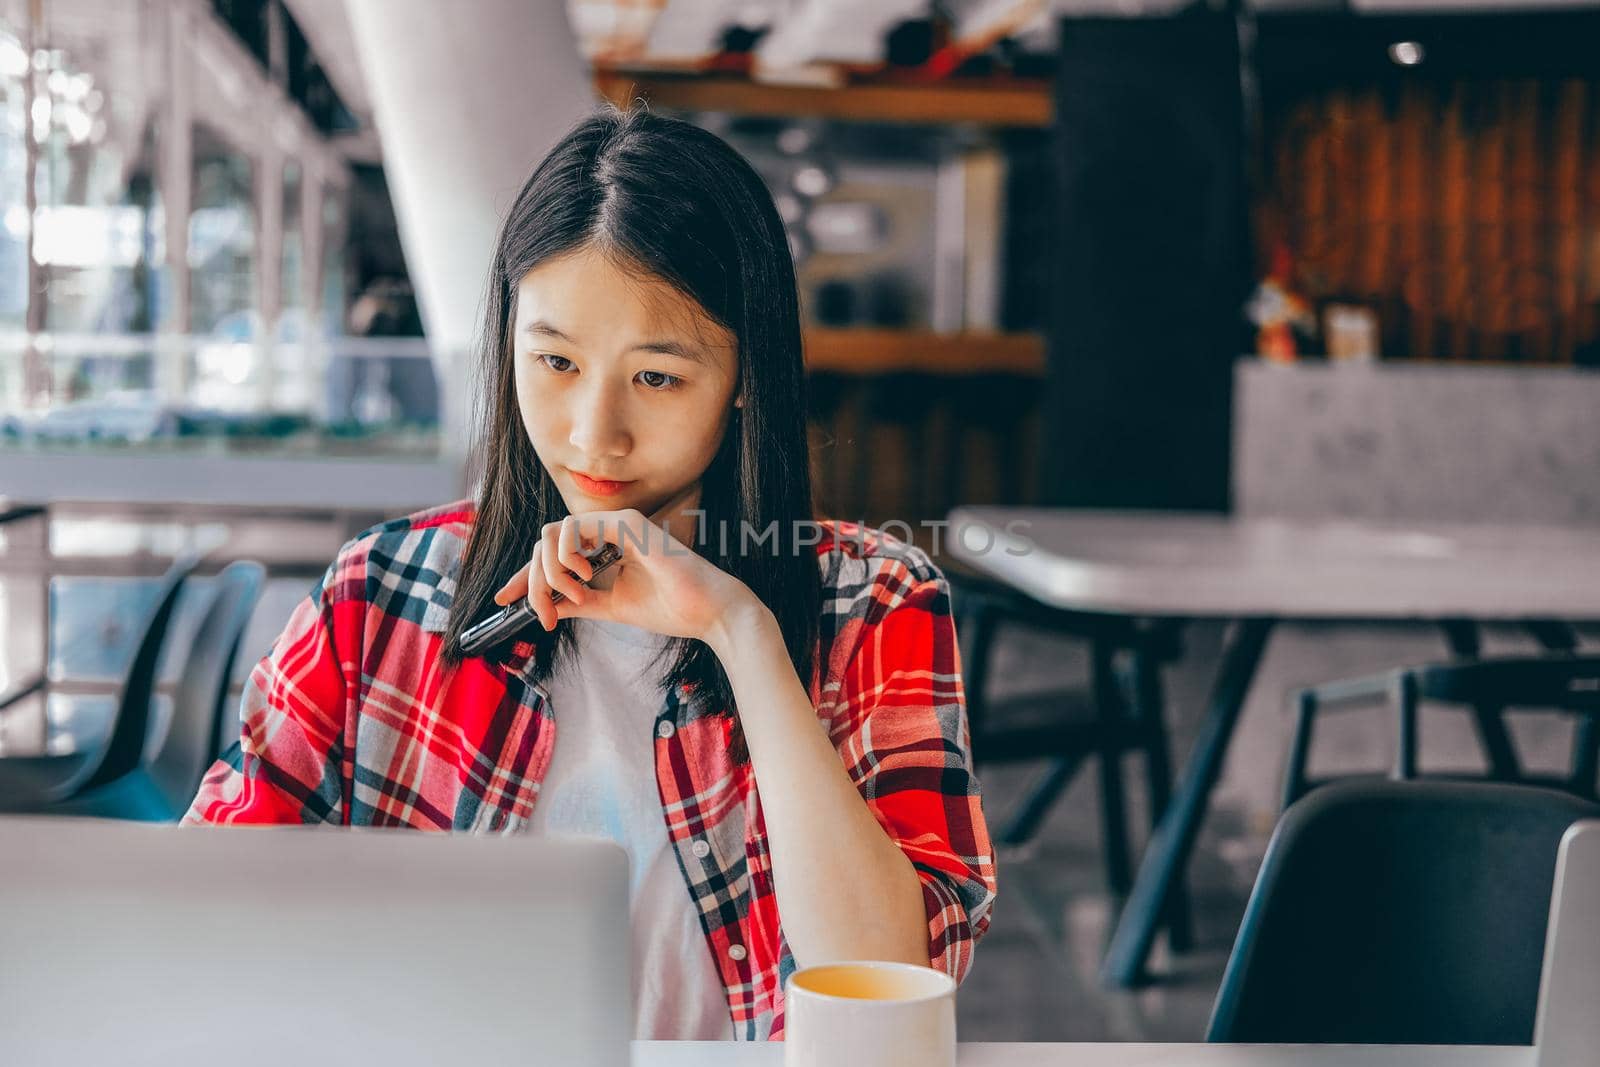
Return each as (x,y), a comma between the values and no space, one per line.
(691,353)
(673,348)
(539,326)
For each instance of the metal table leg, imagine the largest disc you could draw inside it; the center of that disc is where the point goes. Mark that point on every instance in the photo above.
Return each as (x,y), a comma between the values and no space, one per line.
(1150,707)
(1168,852)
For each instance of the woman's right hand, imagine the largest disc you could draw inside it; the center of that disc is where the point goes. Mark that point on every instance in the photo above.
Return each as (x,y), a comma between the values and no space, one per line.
(543,574)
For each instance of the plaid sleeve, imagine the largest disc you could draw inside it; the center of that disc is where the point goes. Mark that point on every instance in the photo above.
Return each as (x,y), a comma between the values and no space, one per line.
(287,767)
(901,729)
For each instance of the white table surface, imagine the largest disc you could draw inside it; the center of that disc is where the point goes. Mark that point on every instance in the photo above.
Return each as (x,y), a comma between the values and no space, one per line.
(1153,564)
(1029,1054)
(394,486)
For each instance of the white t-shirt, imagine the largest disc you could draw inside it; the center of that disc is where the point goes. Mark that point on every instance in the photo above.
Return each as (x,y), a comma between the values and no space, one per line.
(602,783)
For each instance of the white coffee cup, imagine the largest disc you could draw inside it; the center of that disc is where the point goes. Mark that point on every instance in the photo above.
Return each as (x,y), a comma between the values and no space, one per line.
(869,1011)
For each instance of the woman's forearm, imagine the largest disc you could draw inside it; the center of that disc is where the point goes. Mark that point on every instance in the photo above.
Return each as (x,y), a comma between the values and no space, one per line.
(844,889)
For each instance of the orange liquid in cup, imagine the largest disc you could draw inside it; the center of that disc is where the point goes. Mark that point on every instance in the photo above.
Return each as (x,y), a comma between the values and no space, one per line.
(865,983)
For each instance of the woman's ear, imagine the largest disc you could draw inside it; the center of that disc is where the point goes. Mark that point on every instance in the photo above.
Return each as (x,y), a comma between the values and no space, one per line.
(739,403)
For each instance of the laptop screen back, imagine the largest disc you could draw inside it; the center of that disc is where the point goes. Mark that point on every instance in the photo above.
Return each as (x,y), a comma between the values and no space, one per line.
(132,943)
(1567,1033)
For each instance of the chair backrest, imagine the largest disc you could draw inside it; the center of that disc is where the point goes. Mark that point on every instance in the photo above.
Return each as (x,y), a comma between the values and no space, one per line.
(1548,681)
(192,742)
(124,747)
(1399,913)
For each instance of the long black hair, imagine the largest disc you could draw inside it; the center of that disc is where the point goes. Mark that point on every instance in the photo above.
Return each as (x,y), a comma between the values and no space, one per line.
(674,202)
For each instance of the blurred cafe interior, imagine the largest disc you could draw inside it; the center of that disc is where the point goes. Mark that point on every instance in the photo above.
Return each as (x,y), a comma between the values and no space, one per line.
(1233,360)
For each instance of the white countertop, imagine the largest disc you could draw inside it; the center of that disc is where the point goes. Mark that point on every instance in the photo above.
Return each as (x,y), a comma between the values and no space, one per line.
(391,486)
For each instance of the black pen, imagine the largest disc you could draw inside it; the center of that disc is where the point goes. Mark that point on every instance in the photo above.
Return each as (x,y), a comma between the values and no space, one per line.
(510,619)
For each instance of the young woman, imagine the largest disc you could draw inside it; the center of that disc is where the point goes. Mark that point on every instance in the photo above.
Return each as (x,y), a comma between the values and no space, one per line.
(765,710)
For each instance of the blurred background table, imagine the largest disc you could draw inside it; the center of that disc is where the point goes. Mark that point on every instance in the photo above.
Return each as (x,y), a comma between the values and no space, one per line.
(1257,572)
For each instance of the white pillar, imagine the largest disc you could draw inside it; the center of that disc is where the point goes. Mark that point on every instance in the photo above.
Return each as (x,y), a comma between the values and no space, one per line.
(269,274)
(468,96)
(177,194)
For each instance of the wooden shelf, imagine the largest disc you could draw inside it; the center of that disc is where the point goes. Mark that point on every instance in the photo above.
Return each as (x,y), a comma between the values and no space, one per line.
(869,351)
(1011,102)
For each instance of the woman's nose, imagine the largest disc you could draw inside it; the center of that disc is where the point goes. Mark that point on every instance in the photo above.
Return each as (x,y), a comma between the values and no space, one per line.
(599,424)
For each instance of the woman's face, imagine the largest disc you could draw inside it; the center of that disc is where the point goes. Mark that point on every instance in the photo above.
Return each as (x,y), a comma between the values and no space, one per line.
(625,385)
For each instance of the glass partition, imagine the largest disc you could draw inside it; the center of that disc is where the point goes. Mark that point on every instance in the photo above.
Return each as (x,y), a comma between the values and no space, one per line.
(113,146)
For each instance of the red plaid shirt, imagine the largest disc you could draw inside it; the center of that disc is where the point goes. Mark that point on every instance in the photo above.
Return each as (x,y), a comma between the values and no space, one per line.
(352,719)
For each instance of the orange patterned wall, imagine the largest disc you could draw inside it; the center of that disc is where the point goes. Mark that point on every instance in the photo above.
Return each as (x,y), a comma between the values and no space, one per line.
(1467,214)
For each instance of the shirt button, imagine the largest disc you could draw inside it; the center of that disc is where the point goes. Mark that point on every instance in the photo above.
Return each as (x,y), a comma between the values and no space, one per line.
(736,952)
(665,729)
(701,848)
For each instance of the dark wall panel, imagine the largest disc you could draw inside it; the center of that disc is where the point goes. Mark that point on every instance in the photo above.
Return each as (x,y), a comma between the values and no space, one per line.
(1151,264)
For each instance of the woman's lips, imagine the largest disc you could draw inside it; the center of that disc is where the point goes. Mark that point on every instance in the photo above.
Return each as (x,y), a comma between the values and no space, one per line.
(597,486)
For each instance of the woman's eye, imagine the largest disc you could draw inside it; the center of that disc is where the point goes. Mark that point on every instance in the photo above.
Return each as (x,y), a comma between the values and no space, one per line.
(559,364)
(657,380)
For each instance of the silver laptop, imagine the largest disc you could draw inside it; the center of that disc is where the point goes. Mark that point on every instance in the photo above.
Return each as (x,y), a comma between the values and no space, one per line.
(1567,1033)
(135,943)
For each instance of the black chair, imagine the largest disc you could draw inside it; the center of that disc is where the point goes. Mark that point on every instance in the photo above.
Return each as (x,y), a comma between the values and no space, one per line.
(1399,913)
(1117,712)
(162,788)
(1561,682)
(37,783)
